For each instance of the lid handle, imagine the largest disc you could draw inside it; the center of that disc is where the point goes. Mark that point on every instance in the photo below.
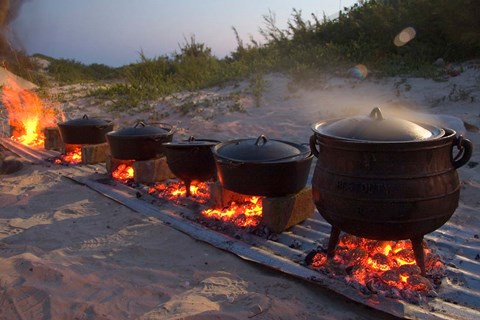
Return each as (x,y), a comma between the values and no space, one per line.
(191,139)
(376,114)
(85,116)
(139,123)
(261,140)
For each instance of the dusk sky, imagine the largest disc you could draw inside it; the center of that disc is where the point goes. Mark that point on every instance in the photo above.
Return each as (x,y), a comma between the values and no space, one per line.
(112,32)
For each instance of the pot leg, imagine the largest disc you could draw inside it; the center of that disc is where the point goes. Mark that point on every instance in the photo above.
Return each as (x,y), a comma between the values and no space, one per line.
(333,241)
(187,187)
(419,253)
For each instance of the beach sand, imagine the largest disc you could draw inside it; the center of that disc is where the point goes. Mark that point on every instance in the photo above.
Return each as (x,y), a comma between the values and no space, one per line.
(67,252)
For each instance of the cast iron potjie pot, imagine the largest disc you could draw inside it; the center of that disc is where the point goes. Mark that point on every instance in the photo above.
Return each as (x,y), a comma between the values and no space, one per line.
(262,166)
(386,179)
(140,142)
(191,160)
(84,130)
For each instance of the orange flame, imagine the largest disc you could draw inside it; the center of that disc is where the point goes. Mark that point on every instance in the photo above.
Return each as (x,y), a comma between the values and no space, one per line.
(176,191)
(124,172)
(26,114)
(73,157)
(244,214)
(391,261)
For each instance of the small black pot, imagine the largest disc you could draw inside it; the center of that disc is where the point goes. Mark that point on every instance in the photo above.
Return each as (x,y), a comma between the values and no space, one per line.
(191,160)
(262,166)
(84,130)
(140,142)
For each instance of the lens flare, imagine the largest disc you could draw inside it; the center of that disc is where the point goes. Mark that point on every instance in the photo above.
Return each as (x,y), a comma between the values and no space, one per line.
(360,71)
(404,37)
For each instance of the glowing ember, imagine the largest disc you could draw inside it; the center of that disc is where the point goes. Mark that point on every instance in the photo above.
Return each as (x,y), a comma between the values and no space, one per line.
(175,191)
(26,114)
(245,214)
(124,172)
(380,264)
(72,157)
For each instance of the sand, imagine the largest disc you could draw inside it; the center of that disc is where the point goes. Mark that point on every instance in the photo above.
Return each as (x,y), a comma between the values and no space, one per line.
(66,252)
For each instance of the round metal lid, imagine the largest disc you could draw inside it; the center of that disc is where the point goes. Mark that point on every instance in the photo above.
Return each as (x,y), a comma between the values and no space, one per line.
(376,128)
(260,149)
(85,121)
(142,129)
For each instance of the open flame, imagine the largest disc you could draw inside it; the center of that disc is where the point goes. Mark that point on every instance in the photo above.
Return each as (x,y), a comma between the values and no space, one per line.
(27,115)
(70,157)
(245,214)
(381,264)
(176,191)
(123,172)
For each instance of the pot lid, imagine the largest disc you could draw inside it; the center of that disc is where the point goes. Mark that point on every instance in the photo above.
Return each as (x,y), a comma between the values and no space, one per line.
(376,128)
(192,142)
(260,149)
(85,121)
(143,129)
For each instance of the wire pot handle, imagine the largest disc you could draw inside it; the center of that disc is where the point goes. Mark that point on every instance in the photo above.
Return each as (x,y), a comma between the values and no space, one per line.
(261,140)
(376,113)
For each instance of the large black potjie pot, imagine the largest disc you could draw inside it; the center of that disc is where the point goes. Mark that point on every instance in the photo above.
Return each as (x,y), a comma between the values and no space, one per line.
(84,130)
(191,160)
(386,179)
(140,142)
(262,166)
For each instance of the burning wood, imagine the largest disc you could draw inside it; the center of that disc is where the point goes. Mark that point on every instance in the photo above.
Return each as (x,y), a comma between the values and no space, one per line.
(176,192)
(386,267)
(27,115)
(242,214)
(124,172)
(70,157)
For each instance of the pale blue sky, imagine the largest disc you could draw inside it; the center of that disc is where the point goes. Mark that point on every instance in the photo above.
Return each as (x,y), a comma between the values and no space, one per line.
(114,31)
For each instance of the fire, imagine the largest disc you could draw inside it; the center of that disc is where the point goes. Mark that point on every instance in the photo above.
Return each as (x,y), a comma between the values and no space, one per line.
(27,115)
(247,213)
(124,172)
(176,191)
(71,157)
(384,263)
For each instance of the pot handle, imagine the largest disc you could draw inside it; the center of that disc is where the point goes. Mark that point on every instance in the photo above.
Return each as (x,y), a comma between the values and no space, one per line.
(229,163)
(261,140)
(313,146)
(139,123)
(376,113)
(465,148)
(170,128)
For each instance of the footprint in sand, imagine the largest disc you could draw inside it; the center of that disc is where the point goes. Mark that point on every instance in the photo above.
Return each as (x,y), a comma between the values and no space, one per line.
(24,303)
(217,294)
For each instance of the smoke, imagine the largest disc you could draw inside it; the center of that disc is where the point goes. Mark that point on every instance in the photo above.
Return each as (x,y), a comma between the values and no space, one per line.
(9,10)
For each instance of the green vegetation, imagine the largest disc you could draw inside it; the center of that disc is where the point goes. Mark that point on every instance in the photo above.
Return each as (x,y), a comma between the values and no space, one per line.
(368,33)
(67,71)
(365,33)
